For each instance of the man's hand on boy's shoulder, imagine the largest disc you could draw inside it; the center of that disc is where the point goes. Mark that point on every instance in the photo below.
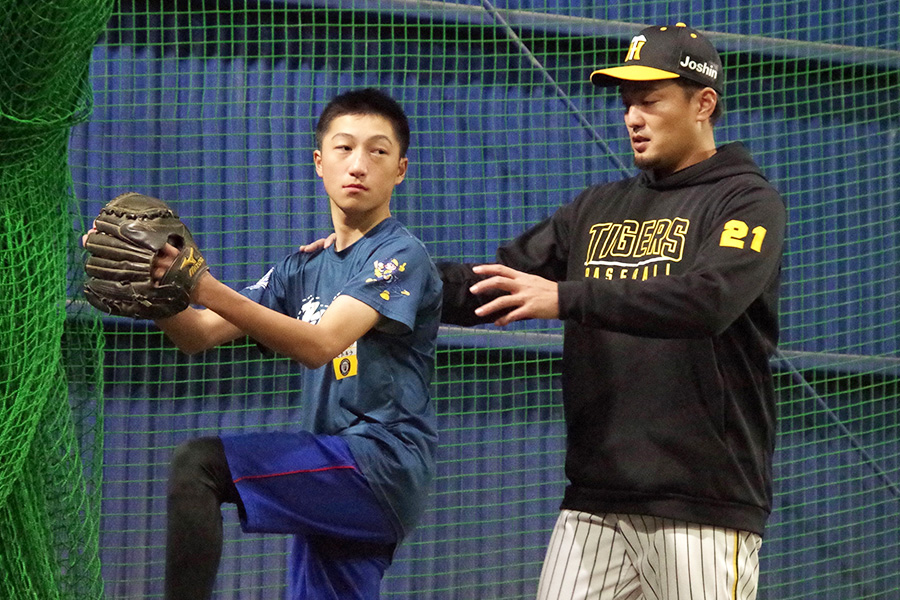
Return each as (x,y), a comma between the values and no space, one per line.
(319,244)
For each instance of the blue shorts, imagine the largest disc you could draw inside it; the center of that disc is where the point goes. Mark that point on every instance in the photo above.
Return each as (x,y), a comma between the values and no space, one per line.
(310,486)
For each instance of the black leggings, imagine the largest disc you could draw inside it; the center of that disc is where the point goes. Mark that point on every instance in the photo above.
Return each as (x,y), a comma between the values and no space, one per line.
(199,482)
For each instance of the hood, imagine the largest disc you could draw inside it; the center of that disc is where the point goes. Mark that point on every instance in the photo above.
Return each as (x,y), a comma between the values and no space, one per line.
(728,161)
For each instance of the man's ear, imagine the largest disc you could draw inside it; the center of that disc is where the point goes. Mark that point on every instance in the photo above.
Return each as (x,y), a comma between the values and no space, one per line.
(707,99)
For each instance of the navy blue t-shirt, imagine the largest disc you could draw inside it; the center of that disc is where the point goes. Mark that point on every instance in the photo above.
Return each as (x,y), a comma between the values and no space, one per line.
(376,393)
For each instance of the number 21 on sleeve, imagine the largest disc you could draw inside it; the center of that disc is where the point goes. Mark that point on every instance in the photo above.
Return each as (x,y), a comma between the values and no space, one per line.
(735,232)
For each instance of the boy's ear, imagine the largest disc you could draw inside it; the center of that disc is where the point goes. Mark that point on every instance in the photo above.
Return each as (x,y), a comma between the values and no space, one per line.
(401,170)
(317,161)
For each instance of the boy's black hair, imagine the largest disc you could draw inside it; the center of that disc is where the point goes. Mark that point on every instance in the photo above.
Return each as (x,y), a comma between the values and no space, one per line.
(368,101)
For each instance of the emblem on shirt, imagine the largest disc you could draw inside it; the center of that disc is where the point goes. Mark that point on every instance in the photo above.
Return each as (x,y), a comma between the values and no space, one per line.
(263,281)
(345,364)
(388,274)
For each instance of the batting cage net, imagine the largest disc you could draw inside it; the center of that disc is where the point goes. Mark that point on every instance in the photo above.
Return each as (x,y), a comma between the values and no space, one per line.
(50,414)
(210,105)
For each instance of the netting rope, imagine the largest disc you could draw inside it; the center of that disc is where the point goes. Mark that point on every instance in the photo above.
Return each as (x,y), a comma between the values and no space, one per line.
(48,510)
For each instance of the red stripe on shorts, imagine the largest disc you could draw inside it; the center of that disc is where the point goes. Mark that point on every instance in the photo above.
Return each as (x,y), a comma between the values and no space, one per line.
(293,472)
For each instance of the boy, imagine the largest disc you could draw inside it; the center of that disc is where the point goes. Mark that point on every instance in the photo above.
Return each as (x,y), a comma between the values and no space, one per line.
(362,316)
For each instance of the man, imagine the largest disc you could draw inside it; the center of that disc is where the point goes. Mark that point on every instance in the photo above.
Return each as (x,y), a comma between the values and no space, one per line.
(362,316)
(668,286)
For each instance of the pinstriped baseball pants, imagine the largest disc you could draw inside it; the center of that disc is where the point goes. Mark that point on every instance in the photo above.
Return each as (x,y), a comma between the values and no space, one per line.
(634,557)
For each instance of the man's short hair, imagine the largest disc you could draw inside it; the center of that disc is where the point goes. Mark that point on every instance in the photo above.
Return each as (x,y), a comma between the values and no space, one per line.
(368,101)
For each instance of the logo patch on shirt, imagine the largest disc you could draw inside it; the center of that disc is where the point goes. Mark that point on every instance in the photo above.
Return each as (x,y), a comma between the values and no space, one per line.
(346,364)
(388,274)
(263,282)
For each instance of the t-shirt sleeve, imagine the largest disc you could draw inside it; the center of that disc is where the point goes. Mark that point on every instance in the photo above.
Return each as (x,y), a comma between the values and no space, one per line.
(394,281)
(270,290)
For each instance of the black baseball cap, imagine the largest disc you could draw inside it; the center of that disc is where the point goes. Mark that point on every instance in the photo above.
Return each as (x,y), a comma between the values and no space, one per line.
(667,52)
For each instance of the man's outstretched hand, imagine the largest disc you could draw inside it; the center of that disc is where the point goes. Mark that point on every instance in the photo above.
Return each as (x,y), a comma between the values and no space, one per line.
(528,296)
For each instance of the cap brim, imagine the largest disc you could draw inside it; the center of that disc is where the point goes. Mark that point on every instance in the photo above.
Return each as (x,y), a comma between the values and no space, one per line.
(615,75)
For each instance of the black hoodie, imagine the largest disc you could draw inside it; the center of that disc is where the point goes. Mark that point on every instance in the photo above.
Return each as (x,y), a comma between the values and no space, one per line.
(669,293)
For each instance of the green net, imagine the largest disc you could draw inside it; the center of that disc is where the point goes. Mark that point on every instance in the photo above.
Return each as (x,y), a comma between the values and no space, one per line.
(49,376)
(210,106)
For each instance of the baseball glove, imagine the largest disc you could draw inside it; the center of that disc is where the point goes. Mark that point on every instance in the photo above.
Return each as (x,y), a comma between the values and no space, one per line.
(128,234)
